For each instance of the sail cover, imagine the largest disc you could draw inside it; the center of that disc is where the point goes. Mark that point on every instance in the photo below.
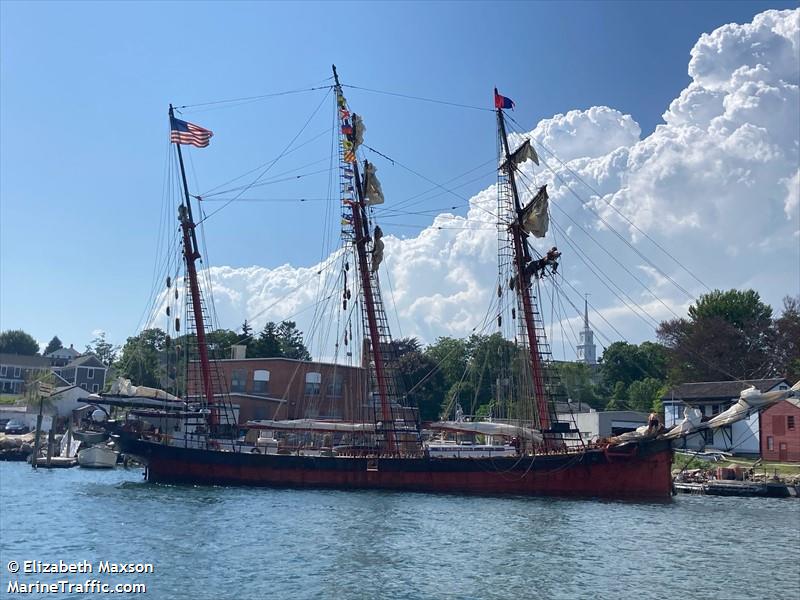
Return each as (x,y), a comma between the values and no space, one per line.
(358,132)
(487,428)
(749,401)
(311,425)
(692,419)
(377,248)
(373,191)
(535,218)
(123,387)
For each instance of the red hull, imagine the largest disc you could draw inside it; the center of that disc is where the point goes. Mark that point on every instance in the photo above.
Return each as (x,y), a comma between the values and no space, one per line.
(643,471)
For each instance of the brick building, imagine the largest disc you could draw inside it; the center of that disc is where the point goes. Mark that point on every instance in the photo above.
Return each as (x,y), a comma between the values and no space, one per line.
(780,431)
(283,388)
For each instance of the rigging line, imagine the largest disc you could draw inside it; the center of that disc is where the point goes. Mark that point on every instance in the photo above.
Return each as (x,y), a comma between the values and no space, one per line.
(271,161)
(392,212)
(235,199)
(615,259)
(438,227)
(451,180)
(260,97)
(621,214)
(597,272)
(620,236)
(421,99)
(281,155)
(429,180)
(268,182)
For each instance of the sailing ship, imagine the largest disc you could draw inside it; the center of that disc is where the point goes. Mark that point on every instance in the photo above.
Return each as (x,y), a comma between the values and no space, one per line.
(526,450)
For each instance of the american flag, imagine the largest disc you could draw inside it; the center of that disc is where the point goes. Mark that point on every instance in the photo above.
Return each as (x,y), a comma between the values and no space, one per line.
(183,132)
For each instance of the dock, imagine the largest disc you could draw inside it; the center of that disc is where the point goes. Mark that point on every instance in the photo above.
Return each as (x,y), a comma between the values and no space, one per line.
(753,489)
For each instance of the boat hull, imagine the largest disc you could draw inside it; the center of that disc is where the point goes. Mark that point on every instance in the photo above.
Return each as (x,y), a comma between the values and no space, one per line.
(97,457)
(641,470)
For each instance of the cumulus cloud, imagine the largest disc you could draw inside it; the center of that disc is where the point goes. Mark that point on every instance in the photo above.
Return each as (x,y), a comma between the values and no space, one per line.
(717,184)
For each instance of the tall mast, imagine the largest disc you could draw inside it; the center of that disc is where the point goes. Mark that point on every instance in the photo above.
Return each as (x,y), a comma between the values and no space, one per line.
(362,236)
(521,258)
(191,254)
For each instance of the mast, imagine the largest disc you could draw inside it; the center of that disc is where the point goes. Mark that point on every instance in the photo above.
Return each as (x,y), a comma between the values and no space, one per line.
(191,254)
(521,258)
(362,236)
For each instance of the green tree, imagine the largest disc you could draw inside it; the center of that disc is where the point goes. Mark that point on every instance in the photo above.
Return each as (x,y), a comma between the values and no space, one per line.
(626,363)
(787,340)
(220,342)
(643,395)
(727,335)
(103,349)
(576,379)
(53,345)
(16,341)
(291,341)
(424,383)
(143,358)
(267,345)
(450,356)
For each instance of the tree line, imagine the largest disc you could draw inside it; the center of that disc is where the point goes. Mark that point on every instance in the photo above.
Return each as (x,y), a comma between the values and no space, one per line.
(726,335)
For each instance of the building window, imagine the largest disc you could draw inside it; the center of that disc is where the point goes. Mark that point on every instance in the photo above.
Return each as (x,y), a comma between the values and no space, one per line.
(95,388)
(89,373)
(708,436)
(238,380)
(83,385)
(260,382)
(790,422)
(2,370)
(336,385)
(17,372)
(313,384)
(770,443)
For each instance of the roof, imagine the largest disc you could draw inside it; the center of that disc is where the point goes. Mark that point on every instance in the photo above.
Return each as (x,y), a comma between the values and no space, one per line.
(86,360)
(716,390)
(63,351)
(22,360)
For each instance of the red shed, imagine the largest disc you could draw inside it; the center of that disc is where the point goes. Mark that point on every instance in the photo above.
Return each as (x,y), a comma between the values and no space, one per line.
(780,431)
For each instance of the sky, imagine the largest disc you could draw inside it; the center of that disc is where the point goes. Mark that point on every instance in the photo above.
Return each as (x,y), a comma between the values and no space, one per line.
(674,125)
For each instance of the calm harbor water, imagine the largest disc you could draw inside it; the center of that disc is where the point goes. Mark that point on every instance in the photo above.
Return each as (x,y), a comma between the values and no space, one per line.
(209,542)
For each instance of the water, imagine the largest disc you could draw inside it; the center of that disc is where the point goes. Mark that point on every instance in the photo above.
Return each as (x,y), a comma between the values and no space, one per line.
(209,542)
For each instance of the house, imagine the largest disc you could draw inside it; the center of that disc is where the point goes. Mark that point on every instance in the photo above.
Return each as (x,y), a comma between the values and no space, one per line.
(16,369)
(284,388)
(712,398)
(62,356)
(86,371)
(780,431)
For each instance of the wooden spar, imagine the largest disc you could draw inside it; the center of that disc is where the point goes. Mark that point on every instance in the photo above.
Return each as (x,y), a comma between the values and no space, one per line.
(362,236)
(191,254)
(521,258)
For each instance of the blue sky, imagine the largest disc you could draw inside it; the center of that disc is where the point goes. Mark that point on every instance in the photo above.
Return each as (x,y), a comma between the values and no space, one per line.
(84,89)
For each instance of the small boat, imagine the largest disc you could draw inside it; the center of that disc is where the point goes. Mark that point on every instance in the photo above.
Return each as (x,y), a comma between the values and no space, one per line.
(98,456)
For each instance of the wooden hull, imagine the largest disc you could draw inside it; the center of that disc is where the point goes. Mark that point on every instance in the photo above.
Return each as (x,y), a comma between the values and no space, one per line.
(640,471)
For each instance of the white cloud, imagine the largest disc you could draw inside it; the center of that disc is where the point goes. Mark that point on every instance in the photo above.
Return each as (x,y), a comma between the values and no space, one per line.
(716,184)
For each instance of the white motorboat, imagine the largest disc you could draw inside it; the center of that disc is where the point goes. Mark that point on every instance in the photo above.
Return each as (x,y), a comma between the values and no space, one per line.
(98,457)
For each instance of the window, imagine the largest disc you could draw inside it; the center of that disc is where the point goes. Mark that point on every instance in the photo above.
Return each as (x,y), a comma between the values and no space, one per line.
(790,422)
(770,443)
(83,385)
(89,373)
(313,384)
(708,436)
(715,409)
(336,385)
(95,388)
(260,382)
(238,380)
(2,370)
(17,372)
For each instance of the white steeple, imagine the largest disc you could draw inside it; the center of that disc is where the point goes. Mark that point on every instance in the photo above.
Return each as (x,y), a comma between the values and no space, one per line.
(587,351)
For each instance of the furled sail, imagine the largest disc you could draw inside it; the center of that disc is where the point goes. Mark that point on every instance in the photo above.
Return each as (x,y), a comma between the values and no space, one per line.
(691,422)
(311,425)
(373,190)
(123,387)
(535,218)
(487,428)
(358,132)
(751,400)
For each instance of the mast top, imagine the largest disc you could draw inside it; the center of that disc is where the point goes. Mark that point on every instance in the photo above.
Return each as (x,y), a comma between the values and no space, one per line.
(335,75)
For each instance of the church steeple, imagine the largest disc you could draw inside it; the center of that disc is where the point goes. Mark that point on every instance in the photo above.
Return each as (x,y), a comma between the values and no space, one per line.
(587,351)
